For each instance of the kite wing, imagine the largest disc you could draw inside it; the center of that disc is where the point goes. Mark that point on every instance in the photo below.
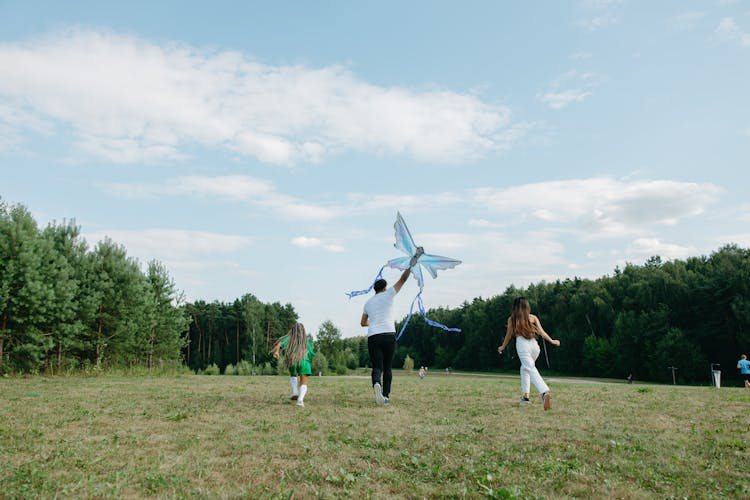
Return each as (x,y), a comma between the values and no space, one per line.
(404,241)
(435,263)
(403,263)
(399,263)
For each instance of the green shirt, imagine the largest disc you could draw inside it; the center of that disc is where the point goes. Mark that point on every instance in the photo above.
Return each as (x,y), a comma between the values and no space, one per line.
(304,367)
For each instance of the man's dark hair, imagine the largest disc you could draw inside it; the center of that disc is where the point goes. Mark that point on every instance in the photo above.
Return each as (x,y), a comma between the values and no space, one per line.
(379,285)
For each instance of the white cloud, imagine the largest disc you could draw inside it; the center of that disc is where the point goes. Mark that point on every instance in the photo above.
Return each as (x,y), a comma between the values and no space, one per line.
(308,242)
(729,31)
(602,207)
(410,202)
(484,223)
(599,14)
(242,188)
(439,243)
(131,100)
(263,194)
(170,244)
(741,239)
(600,21)
(305,242)
(570,87)
(519,254)
(14,118)
(643,248)
(686,20)
(601,4)
(127,150)
(287,207)
(232,187)
(560,100)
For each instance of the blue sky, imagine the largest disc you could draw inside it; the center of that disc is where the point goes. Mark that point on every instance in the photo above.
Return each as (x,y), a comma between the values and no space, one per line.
(265,147)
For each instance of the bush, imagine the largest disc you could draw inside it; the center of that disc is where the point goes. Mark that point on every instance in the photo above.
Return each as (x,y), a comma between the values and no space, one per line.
(268,369)
(342,370)
(244,368)
(352,362)
(408,363)
(320,364)
(212,369)
(230,370)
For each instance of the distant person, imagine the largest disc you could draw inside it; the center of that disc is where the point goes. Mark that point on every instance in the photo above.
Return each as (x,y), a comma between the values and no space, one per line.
(421,372)
(298,354)
(377,316)
(630,378)
(524,326)
(744,366)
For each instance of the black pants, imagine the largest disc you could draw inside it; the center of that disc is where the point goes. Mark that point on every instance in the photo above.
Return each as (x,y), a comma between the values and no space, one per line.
(381,348)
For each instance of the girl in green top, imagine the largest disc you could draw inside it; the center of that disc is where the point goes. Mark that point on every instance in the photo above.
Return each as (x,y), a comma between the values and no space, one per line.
(298,354)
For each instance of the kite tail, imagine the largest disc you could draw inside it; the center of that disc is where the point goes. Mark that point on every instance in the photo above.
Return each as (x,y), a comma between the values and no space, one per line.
(411,310)
(420,307)
(354,293)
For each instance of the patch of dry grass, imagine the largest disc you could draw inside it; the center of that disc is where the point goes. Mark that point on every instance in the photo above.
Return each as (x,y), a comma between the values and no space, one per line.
(444,436)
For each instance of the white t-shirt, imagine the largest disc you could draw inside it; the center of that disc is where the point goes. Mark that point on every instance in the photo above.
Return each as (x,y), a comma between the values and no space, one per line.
(379,310)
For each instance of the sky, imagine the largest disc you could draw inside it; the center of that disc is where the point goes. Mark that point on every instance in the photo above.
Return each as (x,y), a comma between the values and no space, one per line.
(266,147)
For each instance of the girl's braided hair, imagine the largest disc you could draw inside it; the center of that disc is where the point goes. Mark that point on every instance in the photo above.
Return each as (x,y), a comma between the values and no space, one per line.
(296,347)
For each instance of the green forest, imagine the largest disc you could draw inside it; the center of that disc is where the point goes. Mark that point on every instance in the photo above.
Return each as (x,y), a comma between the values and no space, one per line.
(65,307)
(641,320)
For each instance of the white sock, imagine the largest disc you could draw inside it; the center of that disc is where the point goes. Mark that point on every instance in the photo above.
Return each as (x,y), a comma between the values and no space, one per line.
(293,381)
(302,392)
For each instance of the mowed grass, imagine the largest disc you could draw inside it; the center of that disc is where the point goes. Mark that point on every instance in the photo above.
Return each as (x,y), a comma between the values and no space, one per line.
(444,436)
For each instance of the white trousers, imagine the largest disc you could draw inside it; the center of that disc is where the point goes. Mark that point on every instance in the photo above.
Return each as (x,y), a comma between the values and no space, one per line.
(528,351)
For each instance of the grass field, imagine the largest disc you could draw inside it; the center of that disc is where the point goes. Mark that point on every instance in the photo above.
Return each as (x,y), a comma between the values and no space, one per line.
(444,436)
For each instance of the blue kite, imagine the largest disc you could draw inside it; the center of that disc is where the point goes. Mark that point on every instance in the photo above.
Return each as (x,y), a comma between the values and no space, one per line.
(432,263)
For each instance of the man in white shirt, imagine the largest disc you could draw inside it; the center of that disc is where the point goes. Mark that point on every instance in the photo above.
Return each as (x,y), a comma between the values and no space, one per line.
(381,333)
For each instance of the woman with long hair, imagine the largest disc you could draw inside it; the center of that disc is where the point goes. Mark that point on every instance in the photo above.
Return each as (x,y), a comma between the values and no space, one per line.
(298,354)
(524,326)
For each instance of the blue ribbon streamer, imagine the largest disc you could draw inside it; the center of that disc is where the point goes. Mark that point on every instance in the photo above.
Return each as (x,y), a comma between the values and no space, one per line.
(364,292)
(420,307)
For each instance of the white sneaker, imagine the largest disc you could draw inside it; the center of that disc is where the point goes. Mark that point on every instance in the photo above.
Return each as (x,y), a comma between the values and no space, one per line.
(378,394)
(300,403)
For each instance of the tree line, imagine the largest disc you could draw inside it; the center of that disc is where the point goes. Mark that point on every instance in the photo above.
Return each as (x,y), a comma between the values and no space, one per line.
(237,338)
(64,306)
(642,320)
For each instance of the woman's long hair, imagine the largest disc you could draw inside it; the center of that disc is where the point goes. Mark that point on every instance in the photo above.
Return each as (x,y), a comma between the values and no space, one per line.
(520,321)
(296,347)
